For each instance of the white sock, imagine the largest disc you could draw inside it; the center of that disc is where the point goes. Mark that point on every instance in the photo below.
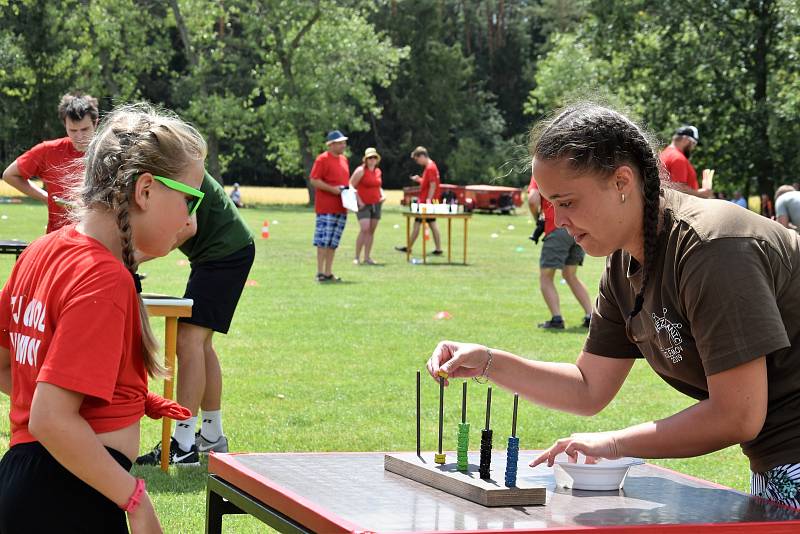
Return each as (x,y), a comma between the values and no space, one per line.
(184,433)
(211,428)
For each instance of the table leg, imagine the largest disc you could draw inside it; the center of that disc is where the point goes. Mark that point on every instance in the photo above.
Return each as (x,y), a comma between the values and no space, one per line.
(214,506)
(424,253)
(449,233)
(466,221)
(408,239)
(170,351)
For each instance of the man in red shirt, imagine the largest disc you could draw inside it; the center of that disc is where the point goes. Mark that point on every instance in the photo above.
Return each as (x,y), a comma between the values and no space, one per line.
(676,160)
(58,162)
(330,175)
(559,251)
(429,190)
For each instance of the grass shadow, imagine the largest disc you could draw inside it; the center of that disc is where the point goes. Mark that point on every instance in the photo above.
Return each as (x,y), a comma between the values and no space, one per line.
(178,480)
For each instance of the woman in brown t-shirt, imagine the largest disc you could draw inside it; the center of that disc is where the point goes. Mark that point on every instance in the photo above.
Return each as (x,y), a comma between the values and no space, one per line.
(707,293)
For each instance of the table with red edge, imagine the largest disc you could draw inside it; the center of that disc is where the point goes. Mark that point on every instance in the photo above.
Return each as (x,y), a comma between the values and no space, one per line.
(351,492)
(171,308)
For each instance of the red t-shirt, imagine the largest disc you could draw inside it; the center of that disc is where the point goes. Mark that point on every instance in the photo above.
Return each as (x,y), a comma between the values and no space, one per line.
(547,209)
(430,175)
(335,171)
(59,166)
(678,166)
(369,187)
(69,317)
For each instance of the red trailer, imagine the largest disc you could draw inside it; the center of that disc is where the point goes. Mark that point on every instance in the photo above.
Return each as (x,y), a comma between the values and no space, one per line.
(475,197)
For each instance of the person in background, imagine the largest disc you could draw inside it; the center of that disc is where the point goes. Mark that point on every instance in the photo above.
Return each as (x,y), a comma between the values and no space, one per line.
(236,196)
(57,160)
(787,206)
(767,208)
(559,251)
(739,200)
(676,160)
(221,252)
(367,180)
(429,190)
(330,175)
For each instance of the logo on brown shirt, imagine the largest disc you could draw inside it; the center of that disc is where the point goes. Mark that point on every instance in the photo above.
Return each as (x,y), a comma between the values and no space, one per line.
(670,343)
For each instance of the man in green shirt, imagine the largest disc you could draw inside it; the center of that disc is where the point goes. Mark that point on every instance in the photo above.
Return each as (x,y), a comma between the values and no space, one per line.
(221,251)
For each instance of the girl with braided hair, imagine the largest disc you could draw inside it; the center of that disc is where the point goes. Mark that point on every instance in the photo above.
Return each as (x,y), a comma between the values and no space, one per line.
(75,345)
(707,293)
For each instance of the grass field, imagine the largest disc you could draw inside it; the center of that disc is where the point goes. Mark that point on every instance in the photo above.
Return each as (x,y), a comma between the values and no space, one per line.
(313,367)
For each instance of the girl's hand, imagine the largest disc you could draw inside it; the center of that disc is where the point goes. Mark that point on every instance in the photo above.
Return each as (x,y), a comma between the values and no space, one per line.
(592,445)
(458,360)
(143,520)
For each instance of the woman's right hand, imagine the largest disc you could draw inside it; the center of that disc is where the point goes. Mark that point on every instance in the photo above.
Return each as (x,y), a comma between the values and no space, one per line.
(458,360)
(144,520)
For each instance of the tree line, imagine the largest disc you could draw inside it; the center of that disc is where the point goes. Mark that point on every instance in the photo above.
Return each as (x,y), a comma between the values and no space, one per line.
(264,80)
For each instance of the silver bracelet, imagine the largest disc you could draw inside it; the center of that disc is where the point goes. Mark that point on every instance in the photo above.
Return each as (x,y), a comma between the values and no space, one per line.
(484,378)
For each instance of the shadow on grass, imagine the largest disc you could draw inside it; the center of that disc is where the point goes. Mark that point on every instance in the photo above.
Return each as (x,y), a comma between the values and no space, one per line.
(178,480)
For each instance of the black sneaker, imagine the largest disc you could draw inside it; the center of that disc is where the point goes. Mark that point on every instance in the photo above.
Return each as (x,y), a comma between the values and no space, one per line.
(552,325)
(332,278)
(437,252)
(321,278)
(177,456)
(401,249)
(586,321)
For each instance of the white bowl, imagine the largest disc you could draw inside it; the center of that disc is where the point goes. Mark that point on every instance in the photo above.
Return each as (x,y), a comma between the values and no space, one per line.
(605,475)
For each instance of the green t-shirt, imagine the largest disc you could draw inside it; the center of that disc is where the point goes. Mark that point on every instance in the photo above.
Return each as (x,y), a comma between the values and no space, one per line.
(221,231)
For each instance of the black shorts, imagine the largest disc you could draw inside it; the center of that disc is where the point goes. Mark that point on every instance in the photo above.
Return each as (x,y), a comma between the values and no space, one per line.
(426,219)
(215,287)
(39,495)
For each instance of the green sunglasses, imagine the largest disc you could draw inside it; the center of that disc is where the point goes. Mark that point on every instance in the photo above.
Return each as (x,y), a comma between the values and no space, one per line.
(191,203)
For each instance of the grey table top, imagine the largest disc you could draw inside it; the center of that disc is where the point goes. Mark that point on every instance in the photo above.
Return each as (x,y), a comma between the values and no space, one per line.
(354,487)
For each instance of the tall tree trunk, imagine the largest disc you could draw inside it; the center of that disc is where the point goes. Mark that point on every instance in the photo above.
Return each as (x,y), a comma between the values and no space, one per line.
(308,161)
(212,158)
(764,13)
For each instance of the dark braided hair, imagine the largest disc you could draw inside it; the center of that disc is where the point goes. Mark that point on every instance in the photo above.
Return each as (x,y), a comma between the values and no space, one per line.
(598,139)
(130,141)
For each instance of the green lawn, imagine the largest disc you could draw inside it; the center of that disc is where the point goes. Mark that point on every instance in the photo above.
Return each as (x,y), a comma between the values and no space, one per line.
(313,367)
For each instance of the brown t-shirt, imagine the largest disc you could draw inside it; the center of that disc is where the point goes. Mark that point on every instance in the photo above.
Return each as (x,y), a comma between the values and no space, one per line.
(725,290)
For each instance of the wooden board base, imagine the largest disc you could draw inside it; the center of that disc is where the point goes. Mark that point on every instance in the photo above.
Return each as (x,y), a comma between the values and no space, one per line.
(468,485)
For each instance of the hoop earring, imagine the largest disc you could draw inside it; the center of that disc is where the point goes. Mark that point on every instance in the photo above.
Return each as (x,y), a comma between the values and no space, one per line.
(623,198)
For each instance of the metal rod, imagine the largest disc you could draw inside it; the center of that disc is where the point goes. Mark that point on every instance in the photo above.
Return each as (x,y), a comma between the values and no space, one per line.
(441,410)
(419,449)
(514,417)
(464,403)
(488,406)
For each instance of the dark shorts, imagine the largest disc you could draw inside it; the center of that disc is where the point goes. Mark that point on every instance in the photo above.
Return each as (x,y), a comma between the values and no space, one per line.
(39,495)
(559,250)
(370,211)
(329,229)
(215,287)
(426,219)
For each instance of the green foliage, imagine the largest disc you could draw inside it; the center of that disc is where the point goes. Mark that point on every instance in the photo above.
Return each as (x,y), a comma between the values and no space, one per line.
(730,69)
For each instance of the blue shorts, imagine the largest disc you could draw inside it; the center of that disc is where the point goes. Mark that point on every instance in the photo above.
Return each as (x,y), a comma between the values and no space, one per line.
(329,229)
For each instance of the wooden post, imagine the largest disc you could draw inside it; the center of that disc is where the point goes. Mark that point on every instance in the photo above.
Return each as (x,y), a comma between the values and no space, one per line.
(449,233)
(408,238)
(170,351)
(466,225)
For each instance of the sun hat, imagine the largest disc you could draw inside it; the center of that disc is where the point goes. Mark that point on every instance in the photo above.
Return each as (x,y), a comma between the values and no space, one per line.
(334,137)
(368,153)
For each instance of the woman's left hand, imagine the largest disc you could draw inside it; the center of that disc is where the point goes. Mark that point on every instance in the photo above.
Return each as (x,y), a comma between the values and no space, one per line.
(593,445)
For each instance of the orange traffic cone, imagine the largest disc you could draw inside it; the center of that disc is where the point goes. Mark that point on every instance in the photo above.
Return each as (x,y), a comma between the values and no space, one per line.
(265,230)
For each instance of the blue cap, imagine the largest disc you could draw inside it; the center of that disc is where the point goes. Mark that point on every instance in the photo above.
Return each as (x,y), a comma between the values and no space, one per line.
(334,137)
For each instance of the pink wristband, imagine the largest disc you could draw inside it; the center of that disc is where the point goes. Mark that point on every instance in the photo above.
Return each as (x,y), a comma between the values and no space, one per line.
(135,498)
